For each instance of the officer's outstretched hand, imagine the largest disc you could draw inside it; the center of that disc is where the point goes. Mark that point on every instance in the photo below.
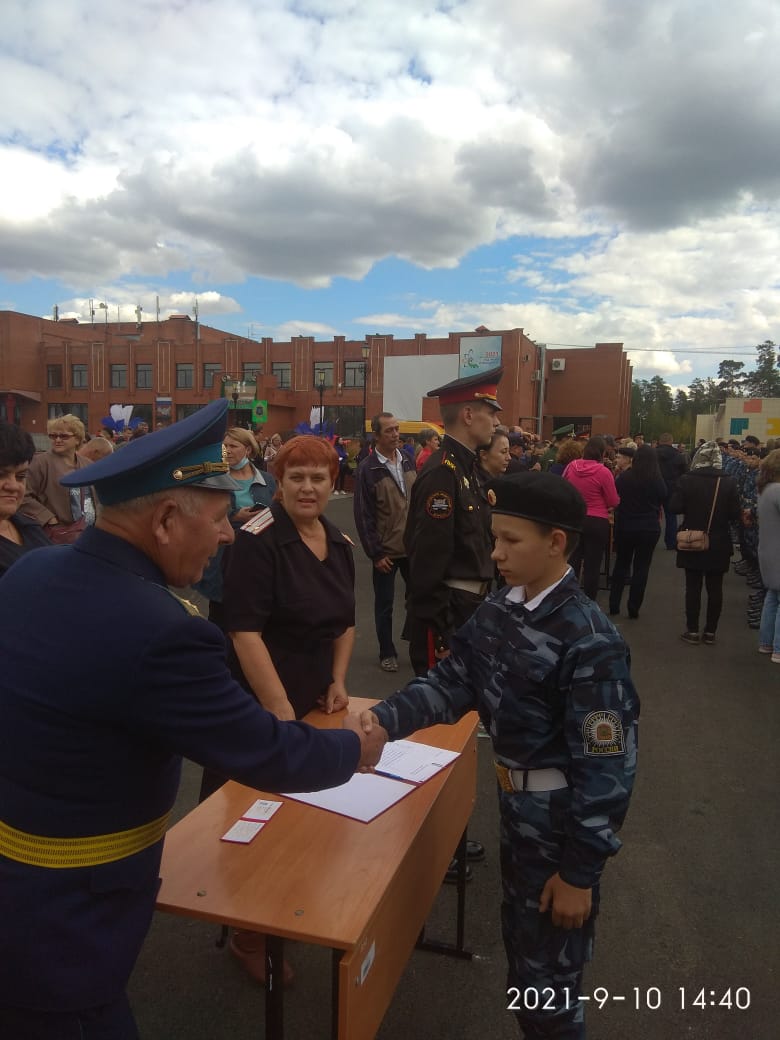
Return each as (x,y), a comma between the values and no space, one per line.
(373,738)
(570,905)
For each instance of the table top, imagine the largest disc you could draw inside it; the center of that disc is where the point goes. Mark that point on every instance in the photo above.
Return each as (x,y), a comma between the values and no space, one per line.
(310,874)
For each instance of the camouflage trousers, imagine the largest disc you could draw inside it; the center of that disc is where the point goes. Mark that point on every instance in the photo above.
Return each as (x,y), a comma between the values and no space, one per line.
(545,963)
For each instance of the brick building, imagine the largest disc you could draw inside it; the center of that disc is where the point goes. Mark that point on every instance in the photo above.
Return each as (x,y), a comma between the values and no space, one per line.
(165,370)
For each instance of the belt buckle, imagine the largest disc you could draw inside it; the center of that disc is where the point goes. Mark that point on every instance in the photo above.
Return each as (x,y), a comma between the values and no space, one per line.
(504,777)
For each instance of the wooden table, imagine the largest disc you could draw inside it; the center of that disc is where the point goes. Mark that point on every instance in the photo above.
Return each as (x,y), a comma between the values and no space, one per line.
(364,890)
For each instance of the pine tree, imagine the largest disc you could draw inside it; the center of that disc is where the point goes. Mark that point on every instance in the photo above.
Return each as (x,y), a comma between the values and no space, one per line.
(764,380)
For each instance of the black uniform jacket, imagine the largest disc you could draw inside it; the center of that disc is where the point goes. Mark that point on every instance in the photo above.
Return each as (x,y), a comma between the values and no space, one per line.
(447,533)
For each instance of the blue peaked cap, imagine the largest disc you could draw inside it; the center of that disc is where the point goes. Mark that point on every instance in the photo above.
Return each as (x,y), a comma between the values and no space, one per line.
(187,454)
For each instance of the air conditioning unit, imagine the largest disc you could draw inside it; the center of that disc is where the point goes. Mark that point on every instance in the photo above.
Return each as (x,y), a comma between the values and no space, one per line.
(558,364)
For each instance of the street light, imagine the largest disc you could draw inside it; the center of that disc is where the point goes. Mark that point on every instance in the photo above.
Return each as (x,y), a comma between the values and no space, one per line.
(238,389)
(321,388)
(365,350)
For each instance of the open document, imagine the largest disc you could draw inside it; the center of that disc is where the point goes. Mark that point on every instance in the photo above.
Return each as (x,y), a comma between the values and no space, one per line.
(404,765)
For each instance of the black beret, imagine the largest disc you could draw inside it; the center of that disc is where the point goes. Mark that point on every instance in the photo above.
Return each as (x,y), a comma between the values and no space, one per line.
(542,497)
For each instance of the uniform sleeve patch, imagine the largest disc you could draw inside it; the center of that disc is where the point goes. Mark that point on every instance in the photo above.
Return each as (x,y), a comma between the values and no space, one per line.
(602,734)
(259,523)
(439,505)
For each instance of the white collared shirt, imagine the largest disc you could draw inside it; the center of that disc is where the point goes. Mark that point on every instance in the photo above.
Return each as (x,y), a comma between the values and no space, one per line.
(517,594)
(396,468)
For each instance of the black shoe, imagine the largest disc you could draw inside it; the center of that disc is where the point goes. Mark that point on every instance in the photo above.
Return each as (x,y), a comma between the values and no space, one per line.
(475,851)
(451,877)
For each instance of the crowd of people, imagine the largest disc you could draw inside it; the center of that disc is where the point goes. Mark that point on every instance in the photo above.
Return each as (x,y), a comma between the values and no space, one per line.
(501,539)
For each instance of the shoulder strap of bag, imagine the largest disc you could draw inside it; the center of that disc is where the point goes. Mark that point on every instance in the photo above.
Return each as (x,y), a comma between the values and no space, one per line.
(714,500)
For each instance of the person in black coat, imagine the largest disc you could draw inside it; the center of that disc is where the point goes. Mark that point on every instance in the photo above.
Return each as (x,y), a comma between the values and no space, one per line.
(694,498)
(637,527)
(672,465)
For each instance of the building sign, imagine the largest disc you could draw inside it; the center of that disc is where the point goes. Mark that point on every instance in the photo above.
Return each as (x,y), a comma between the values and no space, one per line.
(163,409)
(478,354)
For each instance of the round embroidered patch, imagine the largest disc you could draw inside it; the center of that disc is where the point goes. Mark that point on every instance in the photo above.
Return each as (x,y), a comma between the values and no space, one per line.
(602,734)
(439,505)
(491,496)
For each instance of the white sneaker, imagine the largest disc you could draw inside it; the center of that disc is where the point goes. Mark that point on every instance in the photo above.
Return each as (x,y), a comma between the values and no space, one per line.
(389,664)
(775,658)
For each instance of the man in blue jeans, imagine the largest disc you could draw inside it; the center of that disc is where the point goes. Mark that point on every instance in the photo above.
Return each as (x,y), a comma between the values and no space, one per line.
(383,484)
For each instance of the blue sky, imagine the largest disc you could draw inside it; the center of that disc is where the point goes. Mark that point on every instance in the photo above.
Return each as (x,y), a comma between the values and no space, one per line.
(587,170)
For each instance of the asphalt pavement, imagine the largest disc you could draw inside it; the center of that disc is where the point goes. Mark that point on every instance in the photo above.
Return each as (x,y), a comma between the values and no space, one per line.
(687,937)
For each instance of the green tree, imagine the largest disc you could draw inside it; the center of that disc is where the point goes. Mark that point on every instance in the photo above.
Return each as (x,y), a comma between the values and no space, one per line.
(731,380)
(703,395)
(764,380)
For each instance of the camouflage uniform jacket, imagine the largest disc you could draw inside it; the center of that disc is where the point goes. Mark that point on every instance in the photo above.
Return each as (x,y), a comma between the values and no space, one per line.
(553,688)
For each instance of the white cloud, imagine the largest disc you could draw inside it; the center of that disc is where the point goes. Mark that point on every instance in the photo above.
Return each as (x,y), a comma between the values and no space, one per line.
(219,140)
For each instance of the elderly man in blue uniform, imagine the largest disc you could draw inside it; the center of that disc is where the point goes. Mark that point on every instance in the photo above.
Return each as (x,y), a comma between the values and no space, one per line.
(96,719)
(549,676)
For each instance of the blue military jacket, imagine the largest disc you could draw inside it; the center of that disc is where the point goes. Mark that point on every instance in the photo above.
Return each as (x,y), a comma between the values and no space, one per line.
(553,689)
(107,681)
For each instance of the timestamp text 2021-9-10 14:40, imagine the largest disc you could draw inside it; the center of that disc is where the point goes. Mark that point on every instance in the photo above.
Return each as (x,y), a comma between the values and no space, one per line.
(650,998)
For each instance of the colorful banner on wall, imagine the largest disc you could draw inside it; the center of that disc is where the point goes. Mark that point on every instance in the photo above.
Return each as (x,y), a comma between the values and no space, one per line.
(478,354)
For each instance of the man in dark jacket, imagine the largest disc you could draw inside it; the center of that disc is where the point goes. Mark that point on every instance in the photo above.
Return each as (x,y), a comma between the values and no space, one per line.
(383,486)
(672,466)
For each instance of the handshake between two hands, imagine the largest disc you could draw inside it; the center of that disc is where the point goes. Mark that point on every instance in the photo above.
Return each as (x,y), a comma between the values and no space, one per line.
(373,738)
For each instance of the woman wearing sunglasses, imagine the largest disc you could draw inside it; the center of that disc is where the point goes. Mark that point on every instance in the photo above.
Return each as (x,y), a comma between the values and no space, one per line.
(62,513)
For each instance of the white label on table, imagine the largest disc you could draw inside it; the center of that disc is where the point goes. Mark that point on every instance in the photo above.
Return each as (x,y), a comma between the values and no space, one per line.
(243,831)
(262,809)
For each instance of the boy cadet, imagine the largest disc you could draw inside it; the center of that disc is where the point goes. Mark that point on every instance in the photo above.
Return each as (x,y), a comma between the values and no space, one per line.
(549,676)
(96,721)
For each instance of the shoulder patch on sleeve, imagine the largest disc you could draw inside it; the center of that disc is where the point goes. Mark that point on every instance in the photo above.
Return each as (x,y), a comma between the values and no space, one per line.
(602,734)
(259,523)
(439,505)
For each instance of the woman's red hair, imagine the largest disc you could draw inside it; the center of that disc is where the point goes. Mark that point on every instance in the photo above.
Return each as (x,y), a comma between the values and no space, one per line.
(306,450)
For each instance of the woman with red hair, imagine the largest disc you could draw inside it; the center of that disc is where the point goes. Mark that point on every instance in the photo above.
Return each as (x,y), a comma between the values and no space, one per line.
(289,607)
(289,594)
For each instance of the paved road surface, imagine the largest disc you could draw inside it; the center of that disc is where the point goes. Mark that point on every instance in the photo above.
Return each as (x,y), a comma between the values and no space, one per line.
(689,904)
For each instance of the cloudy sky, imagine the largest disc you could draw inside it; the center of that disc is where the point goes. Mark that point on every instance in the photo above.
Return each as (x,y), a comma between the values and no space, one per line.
(587,170)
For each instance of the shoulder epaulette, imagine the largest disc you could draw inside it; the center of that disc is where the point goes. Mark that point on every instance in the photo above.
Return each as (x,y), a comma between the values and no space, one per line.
(259,523)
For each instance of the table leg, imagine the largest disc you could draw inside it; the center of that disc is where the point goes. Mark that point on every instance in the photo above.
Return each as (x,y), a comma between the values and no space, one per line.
(274,987)
(335,962)
(458,950)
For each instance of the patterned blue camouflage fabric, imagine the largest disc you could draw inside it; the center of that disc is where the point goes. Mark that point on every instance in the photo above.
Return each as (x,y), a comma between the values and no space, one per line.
(553,688)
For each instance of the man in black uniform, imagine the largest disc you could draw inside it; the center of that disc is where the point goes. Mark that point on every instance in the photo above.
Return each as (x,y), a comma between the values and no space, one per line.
(447,538)
(447,534)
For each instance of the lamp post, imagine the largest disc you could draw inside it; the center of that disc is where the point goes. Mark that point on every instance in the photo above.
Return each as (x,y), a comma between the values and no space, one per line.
(321,388)
(236,392)
(365,350)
